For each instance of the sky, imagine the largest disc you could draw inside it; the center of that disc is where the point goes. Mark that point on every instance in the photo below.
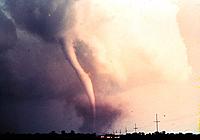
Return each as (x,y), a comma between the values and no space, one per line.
(99,66)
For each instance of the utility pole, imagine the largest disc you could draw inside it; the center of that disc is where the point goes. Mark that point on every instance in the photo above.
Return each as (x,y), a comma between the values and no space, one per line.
(126,130)
(156,121)
(135,128)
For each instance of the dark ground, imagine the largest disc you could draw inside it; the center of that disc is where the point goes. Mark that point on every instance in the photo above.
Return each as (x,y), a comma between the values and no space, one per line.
(72,136)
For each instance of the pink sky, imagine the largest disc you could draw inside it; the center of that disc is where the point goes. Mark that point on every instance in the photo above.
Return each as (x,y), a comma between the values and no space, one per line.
(151,49)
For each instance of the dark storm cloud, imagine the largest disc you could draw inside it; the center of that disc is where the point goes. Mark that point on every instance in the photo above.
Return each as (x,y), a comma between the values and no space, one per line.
(35,72)
(8,39)
(33,81)
(45,18)
(8,34)
(105,117)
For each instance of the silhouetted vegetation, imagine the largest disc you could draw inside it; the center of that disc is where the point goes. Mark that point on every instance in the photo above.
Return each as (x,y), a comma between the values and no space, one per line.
(72,135)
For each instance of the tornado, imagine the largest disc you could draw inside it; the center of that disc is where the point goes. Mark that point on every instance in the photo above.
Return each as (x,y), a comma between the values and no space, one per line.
(67,45)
